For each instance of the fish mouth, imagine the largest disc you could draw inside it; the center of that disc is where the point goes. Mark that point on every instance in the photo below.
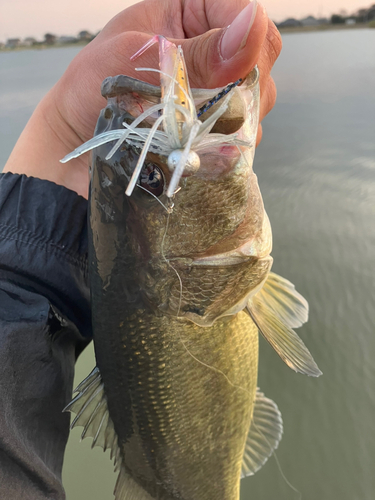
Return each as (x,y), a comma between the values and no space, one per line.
(135,96)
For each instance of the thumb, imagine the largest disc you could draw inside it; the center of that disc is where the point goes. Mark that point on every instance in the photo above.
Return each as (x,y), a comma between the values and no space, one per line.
(223,55)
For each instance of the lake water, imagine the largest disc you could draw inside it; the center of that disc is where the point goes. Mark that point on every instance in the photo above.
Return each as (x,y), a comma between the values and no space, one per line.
(316,169)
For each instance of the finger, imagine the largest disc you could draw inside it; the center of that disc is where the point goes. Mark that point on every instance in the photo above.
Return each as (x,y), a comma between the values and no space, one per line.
(259,135)
(155,17)
(175,18)
(214,58)
(268,98)
(207,67)
(207,56)
(224,55)
(268,55)
(79,99)
(200,16)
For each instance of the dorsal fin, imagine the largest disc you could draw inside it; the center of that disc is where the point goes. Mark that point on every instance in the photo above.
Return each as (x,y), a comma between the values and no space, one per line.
(274,309)
(264,436)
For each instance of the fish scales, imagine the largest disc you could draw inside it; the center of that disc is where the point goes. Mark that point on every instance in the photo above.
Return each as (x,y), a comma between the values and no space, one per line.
(179,407)
(180,287)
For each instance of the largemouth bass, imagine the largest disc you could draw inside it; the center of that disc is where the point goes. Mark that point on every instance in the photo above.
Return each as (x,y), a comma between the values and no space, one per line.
(180,282)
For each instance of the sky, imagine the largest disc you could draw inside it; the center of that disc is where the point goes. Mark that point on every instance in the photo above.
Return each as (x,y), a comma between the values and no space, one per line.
(22,18)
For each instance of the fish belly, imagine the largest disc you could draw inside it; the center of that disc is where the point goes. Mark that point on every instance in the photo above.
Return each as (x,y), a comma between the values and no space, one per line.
(180,397)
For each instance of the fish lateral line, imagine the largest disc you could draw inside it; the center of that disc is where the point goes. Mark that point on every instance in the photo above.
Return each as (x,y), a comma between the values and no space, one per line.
(169,264)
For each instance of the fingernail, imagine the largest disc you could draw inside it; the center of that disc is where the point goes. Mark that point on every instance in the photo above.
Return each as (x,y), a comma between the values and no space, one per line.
(235,36)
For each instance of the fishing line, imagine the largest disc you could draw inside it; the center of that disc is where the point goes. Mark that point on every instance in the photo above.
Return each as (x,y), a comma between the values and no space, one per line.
(278,463)
(202,110)
(252,423)
(170,265)
(213,368)
(178,312)
(210,367)
(168,210)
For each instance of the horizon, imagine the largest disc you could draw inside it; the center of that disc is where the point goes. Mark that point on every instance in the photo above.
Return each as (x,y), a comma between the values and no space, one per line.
(70,17)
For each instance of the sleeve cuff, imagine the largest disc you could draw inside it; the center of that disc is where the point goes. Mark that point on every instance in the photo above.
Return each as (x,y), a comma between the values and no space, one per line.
(43,243)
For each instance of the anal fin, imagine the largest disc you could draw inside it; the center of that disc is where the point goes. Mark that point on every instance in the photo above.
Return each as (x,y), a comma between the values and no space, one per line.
(91,409)
(264,436)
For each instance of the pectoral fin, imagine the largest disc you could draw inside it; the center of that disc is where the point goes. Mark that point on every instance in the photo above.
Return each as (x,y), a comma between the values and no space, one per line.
(275,309)
(264,436)
(281,296)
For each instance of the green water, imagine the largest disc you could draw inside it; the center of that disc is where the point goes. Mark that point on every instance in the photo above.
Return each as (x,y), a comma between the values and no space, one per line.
(316,169)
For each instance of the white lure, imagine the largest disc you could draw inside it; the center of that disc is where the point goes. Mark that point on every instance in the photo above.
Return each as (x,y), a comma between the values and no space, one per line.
(182,136)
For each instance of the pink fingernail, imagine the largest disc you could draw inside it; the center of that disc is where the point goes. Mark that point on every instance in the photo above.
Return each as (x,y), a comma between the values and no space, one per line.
(235,37)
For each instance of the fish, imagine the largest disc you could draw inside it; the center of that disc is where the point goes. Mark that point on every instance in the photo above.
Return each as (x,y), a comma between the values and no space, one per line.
(181,286)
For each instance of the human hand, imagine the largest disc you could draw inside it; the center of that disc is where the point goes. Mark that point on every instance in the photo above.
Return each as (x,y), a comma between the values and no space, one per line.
(215,55)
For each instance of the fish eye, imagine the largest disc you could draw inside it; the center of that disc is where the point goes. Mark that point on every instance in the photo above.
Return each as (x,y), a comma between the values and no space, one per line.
(152,179)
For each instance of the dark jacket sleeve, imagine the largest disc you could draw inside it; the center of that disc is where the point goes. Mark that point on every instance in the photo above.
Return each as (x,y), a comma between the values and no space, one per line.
(44,325)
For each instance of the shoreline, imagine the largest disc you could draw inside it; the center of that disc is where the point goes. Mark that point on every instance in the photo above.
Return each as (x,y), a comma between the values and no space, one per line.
(326,27)
(289,29)
(44,46)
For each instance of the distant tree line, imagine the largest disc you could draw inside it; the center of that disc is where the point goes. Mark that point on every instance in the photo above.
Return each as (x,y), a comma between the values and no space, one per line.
(49,39)
(362,16)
